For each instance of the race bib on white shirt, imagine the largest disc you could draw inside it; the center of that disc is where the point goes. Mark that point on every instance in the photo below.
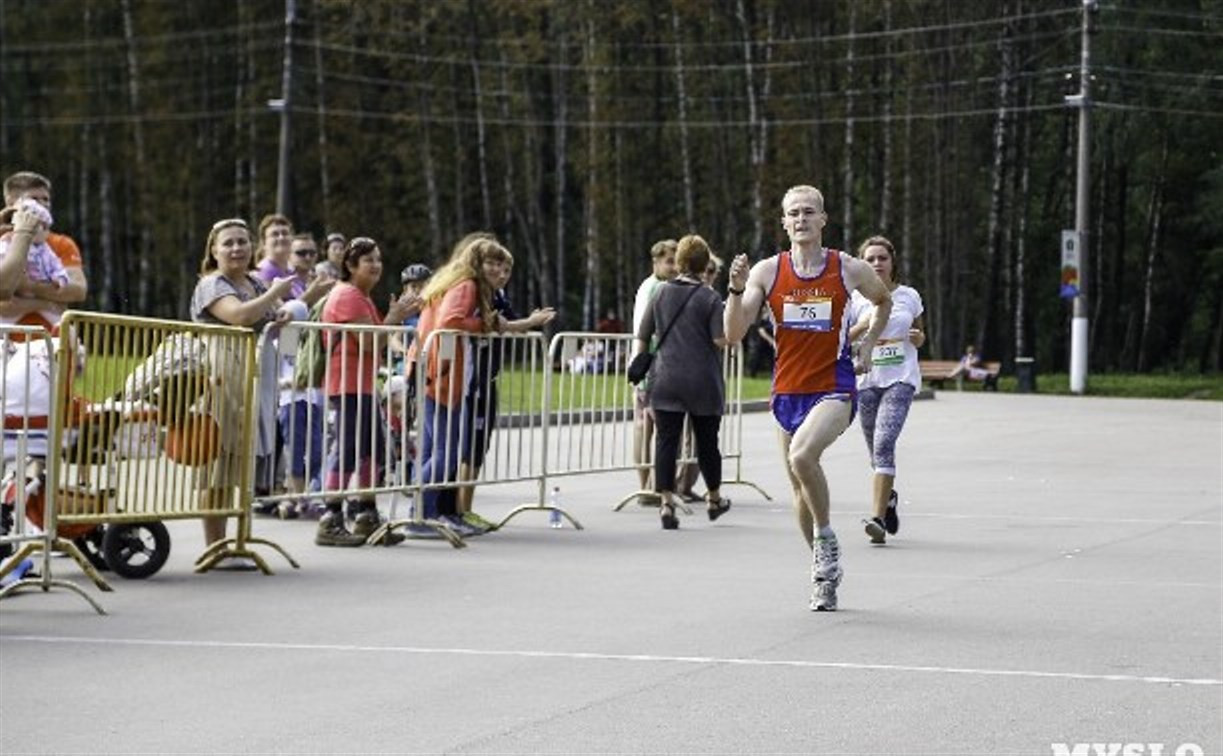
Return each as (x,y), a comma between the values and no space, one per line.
(888,353)
(807,314)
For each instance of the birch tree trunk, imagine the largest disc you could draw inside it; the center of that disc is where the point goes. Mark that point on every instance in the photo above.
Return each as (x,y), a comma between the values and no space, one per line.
(906,188)
(5,147)
(532,222)
(239,97)
(985,340)
(1155,219)
(320,109)
(590,294)
(622,256)
(459,150)
(1118,267)
(885,199)
(847,170)
(425,114)
(252,122)
(508,176)
(477,89)
(1020,277)
(1100,295)
(82,230)
(757,124)
(144,263)
(560,162)
(682,115)
(106,295)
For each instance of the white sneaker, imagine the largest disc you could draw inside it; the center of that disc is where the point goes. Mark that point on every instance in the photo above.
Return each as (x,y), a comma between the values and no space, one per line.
(824,595)
(826,574)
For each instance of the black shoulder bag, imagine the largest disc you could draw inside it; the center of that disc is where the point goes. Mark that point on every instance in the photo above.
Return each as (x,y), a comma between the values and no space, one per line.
(640,365)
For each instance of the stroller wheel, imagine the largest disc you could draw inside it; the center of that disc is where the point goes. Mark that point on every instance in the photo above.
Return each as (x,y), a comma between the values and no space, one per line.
(90,545)
(136,549)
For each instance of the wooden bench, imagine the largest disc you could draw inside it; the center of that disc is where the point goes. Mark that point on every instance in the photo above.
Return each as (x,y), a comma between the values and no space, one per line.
(935,372)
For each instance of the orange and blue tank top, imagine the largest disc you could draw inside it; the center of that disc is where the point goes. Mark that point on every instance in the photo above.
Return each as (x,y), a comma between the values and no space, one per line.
(811,326)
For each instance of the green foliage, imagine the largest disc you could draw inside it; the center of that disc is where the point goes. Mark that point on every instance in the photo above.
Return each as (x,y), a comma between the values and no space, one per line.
(560,126)
(1145,386)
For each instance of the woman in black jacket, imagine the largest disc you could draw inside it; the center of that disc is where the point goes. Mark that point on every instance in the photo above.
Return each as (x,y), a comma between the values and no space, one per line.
(686,376)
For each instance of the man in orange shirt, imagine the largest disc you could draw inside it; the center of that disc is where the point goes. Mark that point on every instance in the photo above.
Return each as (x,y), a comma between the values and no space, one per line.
(33,297)
(807,289)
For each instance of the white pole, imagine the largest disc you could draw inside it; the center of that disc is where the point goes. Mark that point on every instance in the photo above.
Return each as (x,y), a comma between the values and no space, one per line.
(286,103)
(1078,323)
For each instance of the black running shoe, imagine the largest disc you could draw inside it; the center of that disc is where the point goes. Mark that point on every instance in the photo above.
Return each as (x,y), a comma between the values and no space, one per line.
(874,529)
(891,520)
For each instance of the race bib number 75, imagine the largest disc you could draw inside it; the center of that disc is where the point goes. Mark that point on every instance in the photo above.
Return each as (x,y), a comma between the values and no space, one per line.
(811,314)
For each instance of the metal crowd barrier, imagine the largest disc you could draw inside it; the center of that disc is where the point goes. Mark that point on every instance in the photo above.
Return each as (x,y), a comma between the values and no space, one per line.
(532,410)
(730,441)
(369,360)
(162,428)
(367,402)
(594,428)
(480,402)
(596,414)
(27,527)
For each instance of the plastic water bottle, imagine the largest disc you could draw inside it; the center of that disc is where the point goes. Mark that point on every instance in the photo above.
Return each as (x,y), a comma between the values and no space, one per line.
(18,572)
(555,519)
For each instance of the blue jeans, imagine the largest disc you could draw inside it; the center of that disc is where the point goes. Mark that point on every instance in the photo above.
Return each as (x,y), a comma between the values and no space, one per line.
(301,425)
(439,452)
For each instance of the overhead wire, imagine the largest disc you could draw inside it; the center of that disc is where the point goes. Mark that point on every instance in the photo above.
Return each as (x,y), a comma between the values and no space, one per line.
(696,68)
(50,47)
(1165,32)
(692,97)
(857,36)
(961,89)
(1148,12)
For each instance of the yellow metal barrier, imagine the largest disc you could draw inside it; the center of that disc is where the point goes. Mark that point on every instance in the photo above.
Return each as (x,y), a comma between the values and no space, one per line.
(159,426)
(28,363)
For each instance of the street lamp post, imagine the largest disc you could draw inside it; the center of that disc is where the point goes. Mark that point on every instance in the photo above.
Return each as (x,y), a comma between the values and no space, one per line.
(283,105)
(1082,101)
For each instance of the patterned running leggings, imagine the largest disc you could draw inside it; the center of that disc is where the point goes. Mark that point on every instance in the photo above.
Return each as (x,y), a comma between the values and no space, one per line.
(883,417)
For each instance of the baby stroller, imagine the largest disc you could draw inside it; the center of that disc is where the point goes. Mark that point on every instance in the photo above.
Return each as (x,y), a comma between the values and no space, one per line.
(130,549)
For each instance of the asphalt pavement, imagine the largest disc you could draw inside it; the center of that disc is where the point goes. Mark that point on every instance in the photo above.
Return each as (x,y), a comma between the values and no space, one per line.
(1057,581)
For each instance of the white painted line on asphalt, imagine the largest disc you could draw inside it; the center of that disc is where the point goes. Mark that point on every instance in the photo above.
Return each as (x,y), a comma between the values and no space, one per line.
(578,656)
(927,576)
(1037,518)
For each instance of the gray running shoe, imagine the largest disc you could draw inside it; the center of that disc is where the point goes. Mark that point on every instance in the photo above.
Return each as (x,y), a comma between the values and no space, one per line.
(824,596)
(368,521)
(826,574)
(421,531)
(891,520)
(478,522)
(876,530)
(331,532)
(460,528)
(826,559)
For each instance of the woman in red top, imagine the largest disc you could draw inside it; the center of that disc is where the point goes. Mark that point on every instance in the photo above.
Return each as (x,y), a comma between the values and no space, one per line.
(352,363)
(458,298)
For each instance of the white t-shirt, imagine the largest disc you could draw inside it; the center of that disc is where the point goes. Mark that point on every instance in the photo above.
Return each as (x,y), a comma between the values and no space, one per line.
(894,358)
(643,300)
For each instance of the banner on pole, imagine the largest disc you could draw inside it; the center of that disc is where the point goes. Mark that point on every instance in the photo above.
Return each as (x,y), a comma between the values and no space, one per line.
(1070,264)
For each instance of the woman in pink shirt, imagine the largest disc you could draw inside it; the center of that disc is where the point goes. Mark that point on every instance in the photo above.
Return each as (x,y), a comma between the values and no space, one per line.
(352,363)
(458,298)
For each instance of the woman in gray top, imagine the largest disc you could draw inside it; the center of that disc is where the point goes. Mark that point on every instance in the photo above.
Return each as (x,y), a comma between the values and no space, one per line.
(686,376)
(228,293)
